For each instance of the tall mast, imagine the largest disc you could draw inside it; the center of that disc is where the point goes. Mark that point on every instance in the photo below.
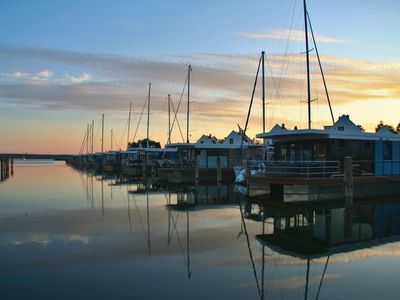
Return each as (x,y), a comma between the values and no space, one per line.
(188,103)
(129,125)
(263,89)
(148,115)
(169,118)
(102,133)
(308,65)
(111,140)
(87,139)
(92,135)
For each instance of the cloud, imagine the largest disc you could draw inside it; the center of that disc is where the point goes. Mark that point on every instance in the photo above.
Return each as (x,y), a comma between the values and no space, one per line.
(299,281)
(221,84)
(45,74)
(76,79)
(45,239)
(284,34)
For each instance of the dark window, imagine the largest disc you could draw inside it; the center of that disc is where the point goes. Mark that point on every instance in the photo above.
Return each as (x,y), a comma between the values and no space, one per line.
(387,150)
(230,141)
(340,128)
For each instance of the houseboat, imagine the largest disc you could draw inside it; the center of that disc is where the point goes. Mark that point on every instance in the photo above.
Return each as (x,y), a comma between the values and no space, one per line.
(212,158)
(308,164)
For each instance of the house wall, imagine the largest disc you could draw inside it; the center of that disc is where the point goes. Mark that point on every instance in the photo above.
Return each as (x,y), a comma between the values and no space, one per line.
(384,166)
(207,158)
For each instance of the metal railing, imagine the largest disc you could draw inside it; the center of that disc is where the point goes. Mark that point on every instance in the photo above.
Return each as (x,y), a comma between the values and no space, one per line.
(304,169)
(180,164)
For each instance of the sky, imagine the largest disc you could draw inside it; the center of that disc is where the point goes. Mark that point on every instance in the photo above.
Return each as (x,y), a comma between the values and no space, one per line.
(64,63)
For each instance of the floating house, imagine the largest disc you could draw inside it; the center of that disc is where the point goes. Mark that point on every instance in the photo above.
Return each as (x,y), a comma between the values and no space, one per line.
(304,160)
(208,155)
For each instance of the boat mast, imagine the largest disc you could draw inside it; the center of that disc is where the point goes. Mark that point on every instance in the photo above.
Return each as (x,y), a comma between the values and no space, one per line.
(102,133)
(188,103)
(308,65)
(129,125)
(148,115)
(87,139)
(169,118)
(263,89)
(92,135)
(111,139)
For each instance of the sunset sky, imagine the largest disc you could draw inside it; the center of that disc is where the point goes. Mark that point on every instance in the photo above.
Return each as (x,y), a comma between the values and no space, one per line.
(64,63)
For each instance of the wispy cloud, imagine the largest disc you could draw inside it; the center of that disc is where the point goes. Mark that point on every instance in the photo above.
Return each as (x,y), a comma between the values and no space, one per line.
(284,34)
(221,84)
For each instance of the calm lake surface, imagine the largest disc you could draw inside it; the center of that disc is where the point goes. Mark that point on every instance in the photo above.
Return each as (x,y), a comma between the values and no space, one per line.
(65,234)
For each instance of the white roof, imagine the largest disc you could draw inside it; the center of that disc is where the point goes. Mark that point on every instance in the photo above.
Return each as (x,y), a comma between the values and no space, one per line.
(344,128)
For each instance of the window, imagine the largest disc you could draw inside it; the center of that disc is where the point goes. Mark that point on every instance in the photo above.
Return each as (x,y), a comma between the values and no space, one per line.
(231,141)
(340,128)
(387,150)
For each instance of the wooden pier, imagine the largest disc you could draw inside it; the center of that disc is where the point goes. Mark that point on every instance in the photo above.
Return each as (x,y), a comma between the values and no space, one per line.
(6,168)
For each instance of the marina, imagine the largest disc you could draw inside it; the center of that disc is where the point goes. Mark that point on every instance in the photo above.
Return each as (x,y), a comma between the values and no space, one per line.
(200,150)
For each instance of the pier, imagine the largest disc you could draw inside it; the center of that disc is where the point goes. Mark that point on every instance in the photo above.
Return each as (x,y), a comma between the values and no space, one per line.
(6,168)
(35,156)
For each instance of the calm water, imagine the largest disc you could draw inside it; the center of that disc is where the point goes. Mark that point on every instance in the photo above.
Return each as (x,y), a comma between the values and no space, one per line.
(70,235)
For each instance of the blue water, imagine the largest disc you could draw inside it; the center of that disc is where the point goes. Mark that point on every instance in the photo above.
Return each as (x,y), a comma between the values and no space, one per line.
(71,235)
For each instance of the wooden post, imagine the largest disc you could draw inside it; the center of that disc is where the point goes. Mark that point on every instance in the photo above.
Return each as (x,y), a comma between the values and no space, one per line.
(12,167)
(218,170)
(348,181)
(144,165)
(153,169)
(196,172)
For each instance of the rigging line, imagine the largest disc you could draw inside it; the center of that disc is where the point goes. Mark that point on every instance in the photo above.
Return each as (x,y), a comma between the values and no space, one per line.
(123,135)
(140,118)
(285,66)
(250,105)
(148,220)
(320,67)
(140,218)
(322,278)
(115,141)
(179,104)
(177,121)
(129,207)
(248,246)
(263,257)
(83,143)
(174,221)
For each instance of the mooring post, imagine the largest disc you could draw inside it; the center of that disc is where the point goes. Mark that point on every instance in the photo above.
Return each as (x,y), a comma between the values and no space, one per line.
(219,170)
(12,167)
(348,181)
(196,172)
(153,169)
(144,166)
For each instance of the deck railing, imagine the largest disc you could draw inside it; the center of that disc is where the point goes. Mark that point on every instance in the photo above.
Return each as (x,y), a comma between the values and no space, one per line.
(304,169)
(180,164)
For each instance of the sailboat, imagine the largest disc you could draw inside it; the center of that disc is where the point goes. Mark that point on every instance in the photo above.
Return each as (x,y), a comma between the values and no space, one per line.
(308,163)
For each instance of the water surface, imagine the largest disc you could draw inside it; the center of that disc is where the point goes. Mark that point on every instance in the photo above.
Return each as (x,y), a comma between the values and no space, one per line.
(66,234)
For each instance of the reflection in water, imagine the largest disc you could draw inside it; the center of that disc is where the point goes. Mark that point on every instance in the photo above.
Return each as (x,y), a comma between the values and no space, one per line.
(118,228)
(309,232)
